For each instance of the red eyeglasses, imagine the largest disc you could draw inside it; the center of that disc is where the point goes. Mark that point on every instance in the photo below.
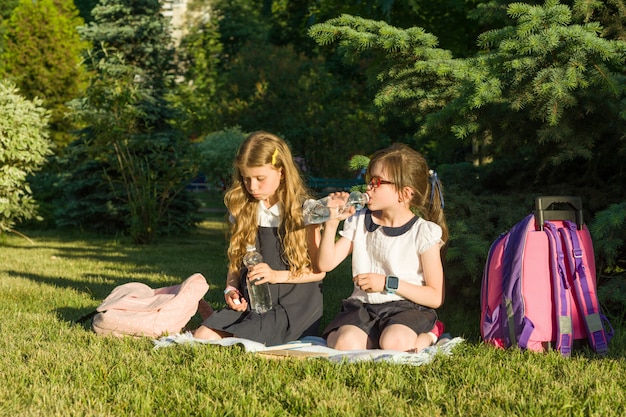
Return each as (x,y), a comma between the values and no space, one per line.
(376,182)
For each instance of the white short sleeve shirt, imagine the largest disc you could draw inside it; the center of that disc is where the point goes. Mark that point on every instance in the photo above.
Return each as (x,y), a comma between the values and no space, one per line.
(388,251)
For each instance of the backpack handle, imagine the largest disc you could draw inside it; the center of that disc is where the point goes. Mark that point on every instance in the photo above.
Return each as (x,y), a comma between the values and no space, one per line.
(558,208)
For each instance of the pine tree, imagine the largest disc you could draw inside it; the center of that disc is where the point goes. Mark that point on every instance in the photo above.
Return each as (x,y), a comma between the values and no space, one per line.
(127,113)
(611,14)
(548,90)
(6,9)
(42,56)
(562,84)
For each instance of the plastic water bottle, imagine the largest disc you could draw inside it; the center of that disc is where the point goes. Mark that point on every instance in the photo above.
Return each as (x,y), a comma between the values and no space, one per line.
(260,296)
(317,211)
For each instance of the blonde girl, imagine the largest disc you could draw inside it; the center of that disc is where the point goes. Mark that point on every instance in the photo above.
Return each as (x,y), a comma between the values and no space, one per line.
(265,206)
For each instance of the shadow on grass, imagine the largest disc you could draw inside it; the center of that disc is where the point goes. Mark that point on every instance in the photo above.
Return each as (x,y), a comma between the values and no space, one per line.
(97,264)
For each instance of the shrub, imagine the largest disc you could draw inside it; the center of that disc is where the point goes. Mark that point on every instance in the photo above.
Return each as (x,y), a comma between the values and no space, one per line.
(25,145)
(217,153)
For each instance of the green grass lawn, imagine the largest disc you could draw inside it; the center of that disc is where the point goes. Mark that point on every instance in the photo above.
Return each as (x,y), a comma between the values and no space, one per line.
(51,366)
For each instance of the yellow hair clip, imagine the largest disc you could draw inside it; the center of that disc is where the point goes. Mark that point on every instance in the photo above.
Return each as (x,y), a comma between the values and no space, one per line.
(274,155)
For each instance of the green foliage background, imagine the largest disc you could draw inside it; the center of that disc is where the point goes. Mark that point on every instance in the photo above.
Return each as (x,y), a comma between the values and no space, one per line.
(41,54)
(507,101)
(24,145)
(146,160)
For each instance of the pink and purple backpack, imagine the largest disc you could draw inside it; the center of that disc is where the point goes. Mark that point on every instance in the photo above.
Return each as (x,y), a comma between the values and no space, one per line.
(538,289)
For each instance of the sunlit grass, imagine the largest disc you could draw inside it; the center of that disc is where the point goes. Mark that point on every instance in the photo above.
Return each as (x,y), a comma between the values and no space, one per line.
(53,366)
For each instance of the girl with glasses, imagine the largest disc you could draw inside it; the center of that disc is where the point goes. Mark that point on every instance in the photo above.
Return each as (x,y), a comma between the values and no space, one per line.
(396,247)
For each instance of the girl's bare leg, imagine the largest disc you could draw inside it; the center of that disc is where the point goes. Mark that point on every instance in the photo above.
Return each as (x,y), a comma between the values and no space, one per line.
(402,338)
(204,309)
(206,333)
(349,337)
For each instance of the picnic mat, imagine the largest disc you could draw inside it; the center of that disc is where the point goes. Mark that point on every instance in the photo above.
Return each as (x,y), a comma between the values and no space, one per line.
(315,347)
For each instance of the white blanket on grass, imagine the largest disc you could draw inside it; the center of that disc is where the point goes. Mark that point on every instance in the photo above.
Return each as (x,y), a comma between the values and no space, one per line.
(316,347)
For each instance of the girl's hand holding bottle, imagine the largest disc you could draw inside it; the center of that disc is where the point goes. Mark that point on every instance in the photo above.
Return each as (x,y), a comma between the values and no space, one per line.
(262,273)
(345,205)
(336,206)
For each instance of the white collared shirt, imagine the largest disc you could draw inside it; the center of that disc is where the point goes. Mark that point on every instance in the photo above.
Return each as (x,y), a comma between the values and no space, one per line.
(268,217)
(387,254)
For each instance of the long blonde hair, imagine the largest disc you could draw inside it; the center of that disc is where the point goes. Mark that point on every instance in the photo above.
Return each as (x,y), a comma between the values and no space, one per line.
(261,148)
(408,168)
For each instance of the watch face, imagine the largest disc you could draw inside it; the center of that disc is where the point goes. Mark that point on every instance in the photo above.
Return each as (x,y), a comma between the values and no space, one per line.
(392,282)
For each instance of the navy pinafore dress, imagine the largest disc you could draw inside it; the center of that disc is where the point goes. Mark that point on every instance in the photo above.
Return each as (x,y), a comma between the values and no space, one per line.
(296,308)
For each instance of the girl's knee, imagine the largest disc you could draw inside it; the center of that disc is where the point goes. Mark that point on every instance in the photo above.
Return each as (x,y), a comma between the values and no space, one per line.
(344,343)
(394,343)
(403,339)
(206,333)
(347,338)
